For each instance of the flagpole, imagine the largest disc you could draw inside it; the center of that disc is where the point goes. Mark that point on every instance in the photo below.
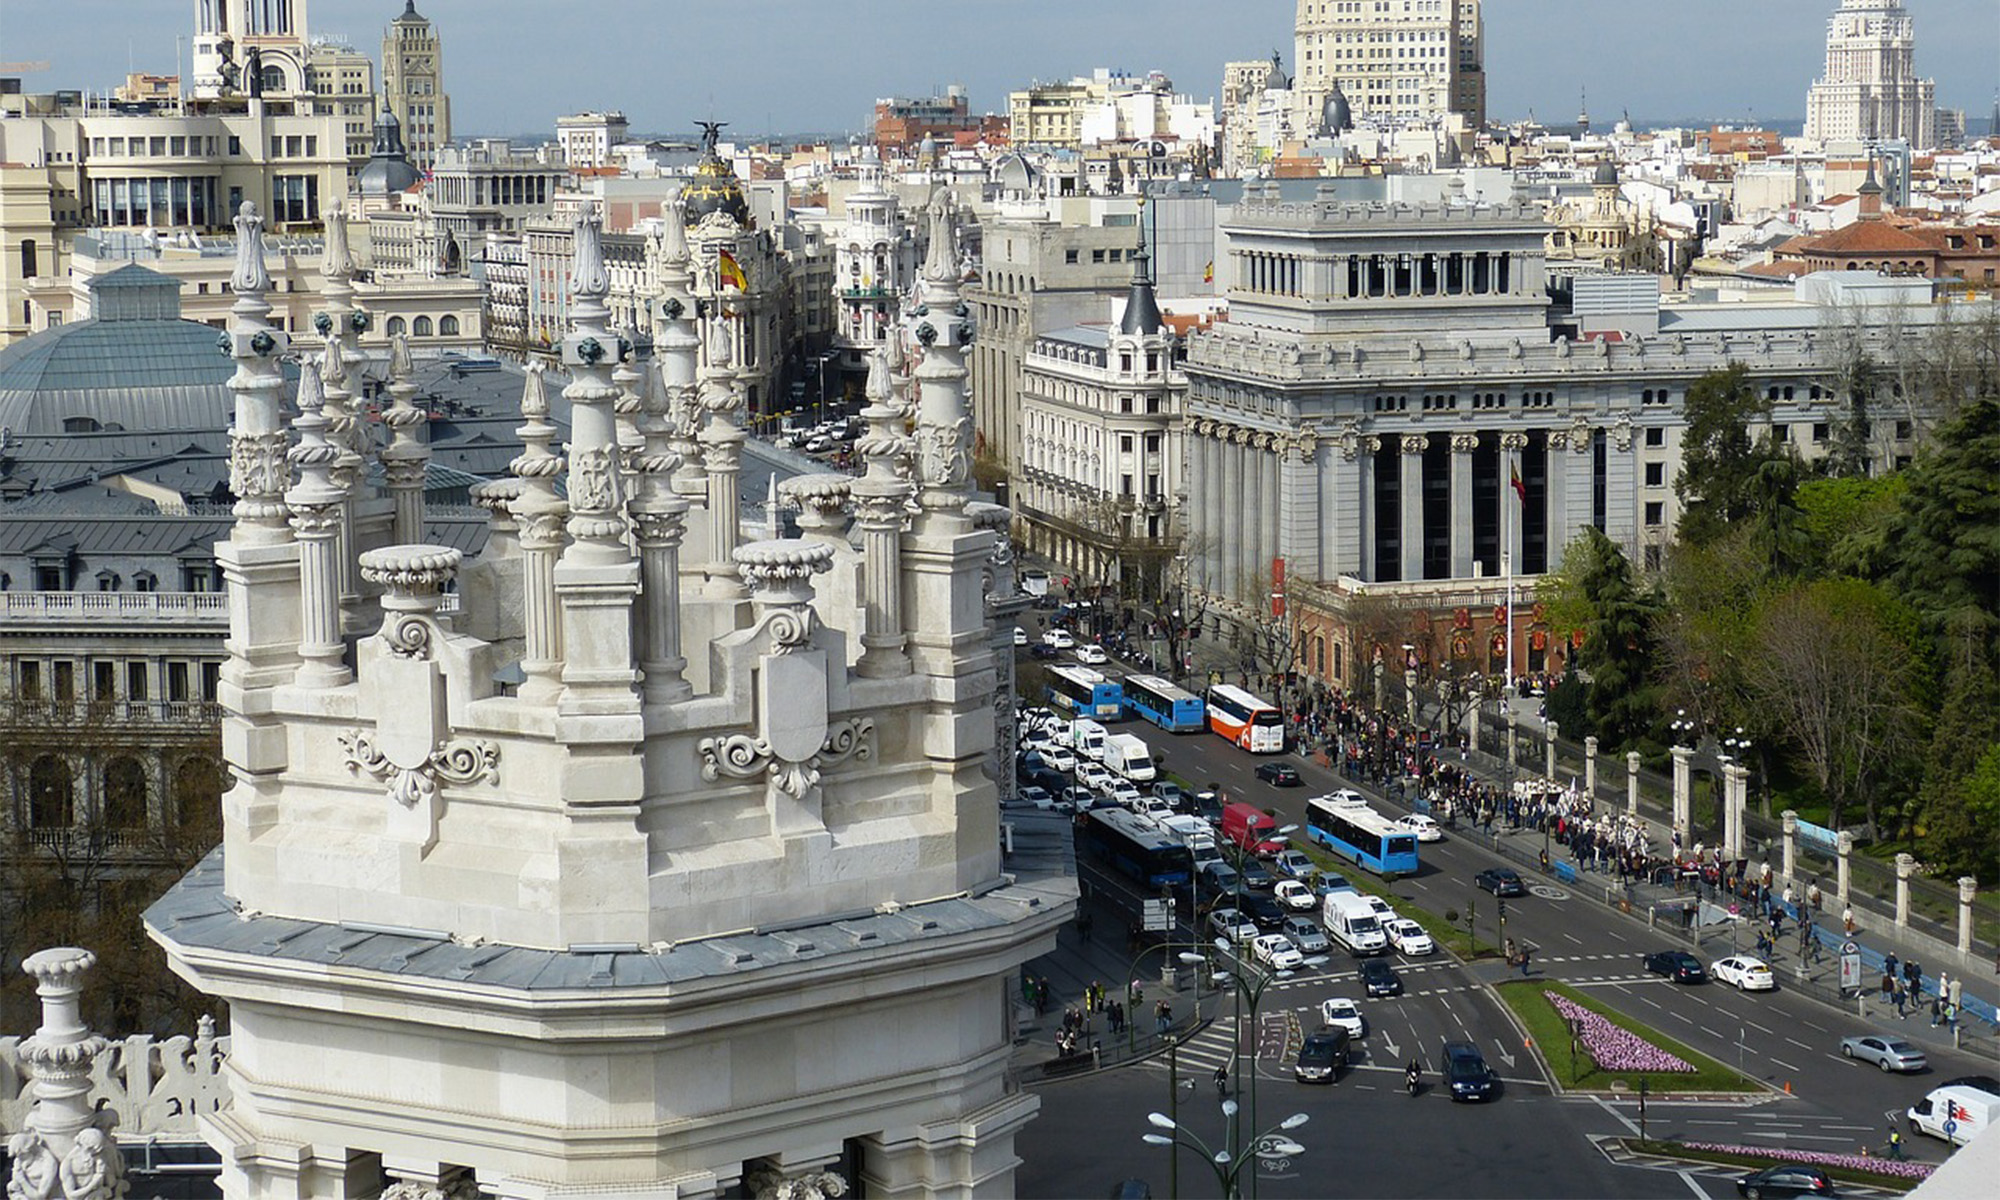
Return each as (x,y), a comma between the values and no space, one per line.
(1507,566)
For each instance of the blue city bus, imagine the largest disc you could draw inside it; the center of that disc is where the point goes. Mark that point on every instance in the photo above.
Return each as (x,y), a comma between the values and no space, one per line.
(1136,849)
(1344,824)
(1173,709)
(1082,692)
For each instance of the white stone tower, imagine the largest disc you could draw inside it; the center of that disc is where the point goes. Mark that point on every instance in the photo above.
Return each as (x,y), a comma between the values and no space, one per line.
(715,897)
(226,32)
(1870,91)
(413,84)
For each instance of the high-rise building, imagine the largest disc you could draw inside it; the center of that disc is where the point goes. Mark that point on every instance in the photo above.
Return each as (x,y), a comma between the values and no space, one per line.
(342,80)
(413,78)
(1870,91)
(1399,62)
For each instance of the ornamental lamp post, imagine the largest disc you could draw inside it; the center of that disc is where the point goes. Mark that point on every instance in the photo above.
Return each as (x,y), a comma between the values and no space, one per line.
(1227,1163)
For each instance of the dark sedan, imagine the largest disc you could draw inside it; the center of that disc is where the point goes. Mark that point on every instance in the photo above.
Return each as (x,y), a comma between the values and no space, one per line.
(1466,1075)
(1786,1180)
(1677,965)
(1279,774)
(1380,979)
(1501,881)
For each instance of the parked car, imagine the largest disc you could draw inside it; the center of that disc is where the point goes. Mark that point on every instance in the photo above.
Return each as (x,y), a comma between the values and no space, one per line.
(1744,973)
(1231,925)
(1306,935)
(1292,864)
(1295,896)
(1677,965)
(1276,951)
(1092,656)
(1279,774)
(1262,909)
(1020,636)
(1380,979)
(1786,1179)
(1408,937)
(1321,1056)
(1042,650)
(1466,1075)
(1342,1013)
(1885,1051)
(1501,881)
(1038,797)
(1059,638)
(1426,829)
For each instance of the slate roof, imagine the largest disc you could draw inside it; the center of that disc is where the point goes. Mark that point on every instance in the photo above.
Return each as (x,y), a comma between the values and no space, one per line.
(196,913)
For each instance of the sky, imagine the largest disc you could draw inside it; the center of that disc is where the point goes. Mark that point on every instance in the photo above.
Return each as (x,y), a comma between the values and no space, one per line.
(513,66)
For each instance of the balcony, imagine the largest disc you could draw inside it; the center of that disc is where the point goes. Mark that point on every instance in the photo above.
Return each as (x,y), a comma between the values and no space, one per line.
(164,715)
(198,610)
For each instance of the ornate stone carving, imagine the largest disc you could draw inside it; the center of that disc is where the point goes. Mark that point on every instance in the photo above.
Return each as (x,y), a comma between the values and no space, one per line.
(944,454)
(460,761)
(1416,443)
(769,1183)
(779,575)
(416,571)
(258,464)
(587,273)
(1621,434)
(1464,443)
(593,484)
(1579,436)
(1558,439)
(249,274)
(1514,442)
(749,756)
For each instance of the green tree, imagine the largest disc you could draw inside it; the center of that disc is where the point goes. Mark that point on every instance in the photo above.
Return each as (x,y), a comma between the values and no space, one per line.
(1955,835)
(1618,638)
(1719,460)
(1944,541)
(1847,523)
(1708,629)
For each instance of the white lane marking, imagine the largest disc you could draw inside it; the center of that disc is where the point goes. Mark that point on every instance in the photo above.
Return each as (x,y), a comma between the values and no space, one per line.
(1624,1120)
(1796,1042)
(1687,1177)
(1621,937)
(1577,940)
(1754,1025)
(1781,1062)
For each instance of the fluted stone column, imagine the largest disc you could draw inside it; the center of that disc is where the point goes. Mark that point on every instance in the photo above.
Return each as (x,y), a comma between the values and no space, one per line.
(1906,865)
(1551,730)
(406,458)
(1790,817)
(1590,767)
(1270,467)
(1513,741)
(1632,783)
(659,525)
(316,505)
(597,578)
(722,456)
(1366,448)
(541,514)
(1234,524)
(341,322)
(881,500)
(1556,523)
(1462,446)
(1683,793)
(1843,844)
(1968,890)
(1410,499)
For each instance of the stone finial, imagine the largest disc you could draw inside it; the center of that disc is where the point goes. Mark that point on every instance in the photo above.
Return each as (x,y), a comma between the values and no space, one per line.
(941,259)
(779,575)
(588,276)
(63,1148)
(250,274)
(822,500)
(497,497)
(673,239)
(412,578)
(337,260)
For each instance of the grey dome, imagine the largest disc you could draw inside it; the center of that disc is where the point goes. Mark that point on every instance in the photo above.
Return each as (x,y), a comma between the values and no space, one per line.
(1336,115)
(389,171)
(135,365)
(1607,174)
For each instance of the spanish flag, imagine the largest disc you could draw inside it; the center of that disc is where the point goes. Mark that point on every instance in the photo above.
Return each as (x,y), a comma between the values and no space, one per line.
(728,271)
(1514,478)
(1208,272)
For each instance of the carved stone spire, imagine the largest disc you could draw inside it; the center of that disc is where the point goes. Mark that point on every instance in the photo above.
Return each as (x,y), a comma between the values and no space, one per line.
(65,1147)
(257,444)
(316,511)
(406,458)
(941,324)
(881,502)
(250,273)
(336,259)
(540,513)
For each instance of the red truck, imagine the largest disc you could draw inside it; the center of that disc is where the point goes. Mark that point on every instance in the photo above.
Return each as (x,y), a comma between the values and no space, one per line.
(1251,828)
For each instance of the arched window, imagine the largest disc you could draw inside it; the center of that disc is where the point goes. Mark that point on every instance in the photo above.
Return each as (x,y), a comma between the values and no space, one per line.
(197,791)
(125,794)
(421,327)
(447,326)
(51,794)
(396,327)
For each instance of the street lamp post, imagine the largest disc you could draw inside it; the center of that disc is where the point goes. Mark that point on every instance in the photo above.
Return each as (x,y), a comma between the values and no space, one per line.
(1250,992)
(1227,1163)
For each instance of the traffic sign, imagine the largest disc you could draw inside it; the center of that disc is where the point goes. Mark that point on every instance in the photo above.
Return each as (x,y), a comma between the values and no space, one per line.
(1850,970)
(1159,917)
(1850,948)
(1950,1127)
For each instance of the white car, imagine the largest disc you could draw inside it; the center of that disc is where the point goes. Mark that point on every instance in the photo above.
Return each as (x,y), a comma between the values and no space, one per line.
(1124,793)
(1292,864)
(1344,1013)
(1426,829)
(1381,907)
(1057,756)
(1295,896)
(1092,656)
(1746,973)
(1276,951)
(1094,777)
(1232,926)
(1020,636)
(1060,639)
(1408,937)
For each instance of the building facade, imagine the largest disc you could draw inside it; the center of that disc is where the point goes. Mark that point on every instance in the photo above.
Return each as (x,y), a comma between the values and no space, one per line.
(587,138)
(737,806)
(1871,91)
(1394,413)
(342,80)
(1410,61)
(875,259)
(413,84)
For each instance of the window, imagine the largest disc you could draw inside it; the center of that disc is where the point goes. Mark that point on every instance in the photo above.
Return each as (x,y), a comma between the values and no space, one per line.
(124,794)
(31,680)
(1903,431)
(1656,474)
(104,681)
(1656,514)
(51,794)
(1819,431)
(145,581)
(447,326)
(1780,434)
(421,327)
(1656,436)
(65,680)
(136,687)
(397,327)
(177,682)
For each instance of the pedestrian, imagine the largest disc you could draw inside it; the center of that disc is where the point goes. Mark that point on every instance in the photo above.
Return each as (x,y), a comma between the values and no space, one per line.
(1813,896)
(1896,1143)
(1526,953)
(1892,985)
(1953,992)
(1901,999)
(1937,1010)
(1137,995)
(1847,919)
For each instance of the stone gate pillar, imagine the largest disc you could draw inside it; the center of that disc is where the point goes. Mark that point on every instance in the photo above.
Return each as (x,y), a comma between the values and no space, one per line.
(1968,887)
(1905,867)
(1590,766)
(1683,800)
(1844,847)
(1632,783)
(1791,819)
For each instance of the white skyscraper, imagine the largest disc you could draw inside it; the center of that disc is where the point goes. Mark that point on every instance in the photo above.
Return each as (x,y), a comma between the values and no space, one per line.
(1417,62)
(1870,91)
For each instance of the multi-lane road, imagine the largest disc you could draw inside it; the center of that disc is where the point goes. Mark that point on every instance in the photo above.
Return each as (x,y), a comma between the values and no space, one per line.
(1534,1142)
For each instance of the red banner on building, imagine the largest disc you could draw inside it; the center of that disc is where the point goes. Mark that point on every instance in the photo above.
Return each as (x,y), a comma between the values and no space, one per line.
(1277,587)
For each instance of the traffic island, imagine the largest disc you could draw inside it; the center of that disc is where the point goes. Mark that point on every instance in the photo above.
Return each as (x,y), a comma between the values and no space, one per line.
(1588,1047)
(1892,1175)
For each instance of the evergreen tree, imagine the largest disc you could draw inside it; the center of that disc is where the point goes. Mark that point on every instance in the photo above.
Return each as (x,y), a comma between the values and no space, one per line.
(1719,461)
(1618,646)
(1955,836)
(1944,542)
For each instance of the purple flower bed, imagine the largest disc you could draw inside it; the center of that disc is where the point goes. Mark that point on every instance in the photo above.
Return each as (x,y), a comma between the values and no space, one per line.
(1615,1048)
(1852,1162)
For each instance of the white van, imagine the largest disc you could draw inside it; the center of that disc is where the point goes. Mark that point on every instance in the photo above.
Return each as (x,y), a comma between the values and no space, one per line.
(1129,755)
(1353,922)
(1957,1114)
(1194,833)
(1086,737)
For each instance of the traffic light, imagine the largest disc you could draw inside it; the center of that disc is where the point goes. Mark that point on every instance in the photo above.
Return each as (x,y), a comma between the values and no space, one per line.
(1503,910)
